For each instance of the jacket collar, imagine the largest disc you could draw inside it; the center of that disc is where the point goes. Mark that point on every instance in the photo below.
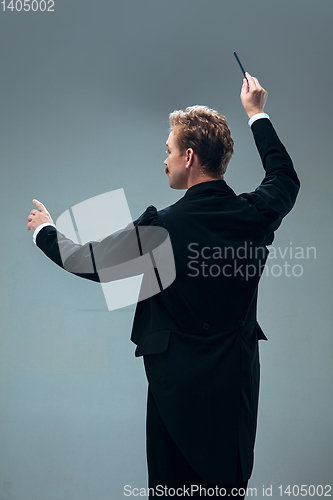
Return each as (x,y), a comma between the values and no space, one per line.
(219,187)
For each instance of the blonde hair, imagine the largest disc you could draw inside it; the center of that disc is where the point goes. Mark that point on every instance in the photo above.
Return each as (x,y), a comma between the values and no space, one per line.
(207,133)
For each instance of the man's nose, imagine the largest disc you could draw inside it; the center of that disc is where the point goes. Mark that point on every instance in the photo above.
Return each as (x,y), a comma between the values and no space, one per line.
(166,162)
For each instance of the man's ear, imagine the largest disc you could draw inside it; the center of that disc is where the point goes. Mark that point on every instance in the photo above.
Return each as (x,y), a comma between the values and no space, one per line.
(189,157)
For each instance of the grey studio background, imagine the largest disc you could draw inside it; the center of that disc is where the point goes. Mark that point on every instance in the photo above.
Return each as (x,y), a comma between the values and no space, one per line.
(85,95)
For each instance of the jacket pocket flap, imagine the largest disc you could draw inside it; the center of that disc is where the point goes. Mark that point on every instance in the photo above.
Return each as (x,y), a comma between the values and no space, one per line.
(154,343)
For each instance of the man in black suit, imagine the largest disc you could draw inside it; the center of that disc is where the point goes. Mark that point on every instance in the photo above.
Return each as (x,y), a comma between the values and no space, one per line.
(199,336)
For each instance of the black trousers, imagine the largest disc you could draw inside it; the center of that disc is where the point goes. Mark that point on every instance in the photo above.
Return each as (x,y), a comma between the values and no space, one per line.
(169,471)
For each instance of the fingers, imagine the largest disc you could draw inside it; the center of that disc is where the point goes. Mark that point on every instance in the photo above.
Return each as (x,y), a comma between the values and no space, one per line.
(244,88)
(38,216)
(253,95)
(39,205)
(250,84)
(32,214)
(254,82)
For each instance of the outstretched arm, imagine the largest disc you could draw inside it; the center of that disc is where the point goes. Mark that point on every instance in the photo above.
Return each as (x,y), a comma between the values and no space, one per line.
(116,257)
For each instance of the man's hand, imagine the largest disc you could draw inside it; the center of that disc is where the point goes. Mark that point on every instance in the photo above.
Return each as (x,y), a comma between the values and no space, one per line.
(38,217)
(253,96)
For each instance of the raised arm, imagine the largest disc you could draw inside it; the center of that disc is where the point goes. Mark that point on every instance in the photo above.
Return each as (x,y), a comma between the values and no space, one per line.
(277,193)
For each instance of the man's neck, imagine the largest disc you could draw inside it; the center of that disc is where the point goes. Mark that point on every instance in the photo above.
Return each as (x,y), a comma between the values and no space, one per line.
(203,178)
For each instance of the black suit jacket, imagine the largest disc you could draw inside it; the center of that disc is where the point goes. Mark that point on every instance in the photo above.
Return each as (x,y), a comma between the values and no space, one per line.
(199,336)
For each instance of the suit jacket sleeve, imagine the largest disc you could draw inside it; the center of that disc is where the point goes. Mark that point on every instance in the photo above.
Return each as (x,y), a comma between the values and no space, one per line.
(115,253)
(277,193)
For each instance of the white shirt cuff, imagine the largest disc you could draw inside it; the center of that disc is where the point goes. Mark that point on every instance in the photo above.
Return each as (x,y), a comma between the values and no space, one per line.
(257,117)
(36,231)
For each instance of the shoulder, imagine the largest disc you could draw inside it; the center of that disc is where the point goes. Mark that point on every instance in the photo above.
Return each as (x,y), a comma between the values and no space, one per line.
(148,218)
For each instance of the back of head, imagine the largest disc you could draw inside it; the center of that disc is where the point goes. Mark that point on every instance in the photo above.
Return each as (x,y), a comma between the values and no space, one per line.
(207,133)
